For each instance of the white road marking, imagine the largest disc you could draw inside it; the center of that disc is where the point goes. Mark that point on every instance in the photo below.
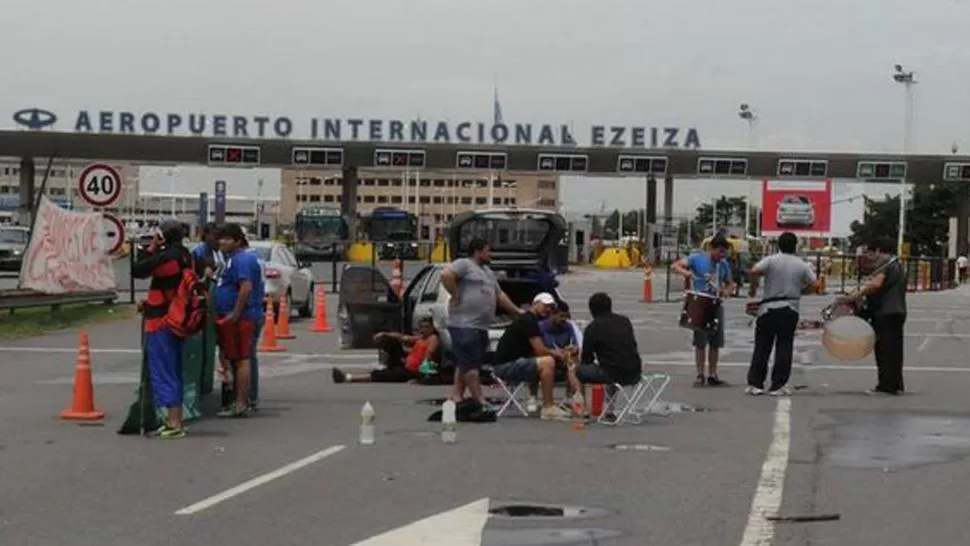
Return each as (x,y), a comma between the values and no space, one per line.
(459,527)
(258,481)
(936,329)
(768,494)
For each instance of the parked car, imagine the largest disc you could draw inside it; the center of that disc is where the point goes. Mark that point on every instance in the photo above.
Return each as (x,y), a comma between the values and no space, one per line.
(523,243)
(13,244)
(285,276)
(795,210)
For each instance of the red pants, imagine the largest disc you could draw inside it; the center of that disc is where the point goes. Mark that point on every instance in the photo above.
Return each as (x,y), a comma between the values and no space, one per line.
(236,340)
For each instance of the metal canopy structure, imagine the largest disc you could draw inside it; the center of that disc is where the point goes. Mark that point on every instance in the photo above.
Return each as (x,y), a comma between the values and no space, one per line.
(876,167)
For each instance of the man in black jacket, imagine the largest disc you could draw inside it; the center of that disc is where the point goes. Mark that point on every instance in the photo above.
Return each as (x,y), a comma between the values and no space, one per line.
(610,353)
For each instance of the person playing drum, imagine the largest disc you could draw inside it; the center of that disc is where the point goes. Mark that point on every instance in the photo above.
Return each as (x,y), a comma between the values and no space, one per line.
(710,274)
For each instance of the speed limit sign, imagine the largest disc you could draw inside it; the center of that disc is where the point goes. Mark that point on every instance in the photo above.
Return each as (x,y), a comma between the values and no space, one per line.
(99,185)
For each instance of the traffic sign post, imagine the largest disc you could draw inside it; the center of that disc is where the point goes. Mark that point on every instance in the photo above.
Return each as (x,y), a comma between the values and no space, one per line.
(114,233)
(99,185)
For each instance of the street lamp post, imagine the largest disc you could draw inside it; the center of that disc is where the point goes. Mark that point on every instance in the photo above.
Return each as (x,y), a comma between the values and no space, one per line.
(908,80)
(748,116)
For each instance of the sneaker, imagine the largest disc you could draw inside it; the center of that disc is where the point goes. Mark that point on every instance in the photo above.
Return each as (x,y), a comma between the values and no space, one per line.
(753,391)
(876,391)
(554,414)
(339,376)
(532,405)
(254,405)
(715,381)
(233,412)
(780,391)
(699,382)
(166,432)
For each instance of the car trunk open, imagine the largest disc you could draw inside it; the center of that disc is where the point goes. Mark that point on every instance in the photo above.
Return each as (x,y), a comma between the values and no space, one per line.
(523,244)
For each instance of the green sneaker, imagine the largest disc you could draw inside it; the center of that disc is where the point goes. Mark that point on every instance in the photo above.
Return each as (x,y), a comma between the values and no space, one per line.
(168,433)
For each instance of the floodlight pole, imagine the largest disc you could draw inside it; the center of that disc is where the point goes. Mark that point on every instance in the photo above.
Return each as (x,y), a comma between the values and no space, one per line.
(908,80)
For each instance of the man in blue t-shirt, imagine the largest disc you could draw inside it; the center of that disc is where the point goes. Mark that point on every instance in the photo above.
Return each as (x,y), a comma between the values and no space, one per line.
(237,314)
(708,272)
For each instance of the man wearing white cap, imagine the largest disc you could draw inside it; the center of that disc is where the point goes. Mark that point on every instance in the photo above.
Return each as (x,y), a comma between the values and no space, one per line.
(522,356)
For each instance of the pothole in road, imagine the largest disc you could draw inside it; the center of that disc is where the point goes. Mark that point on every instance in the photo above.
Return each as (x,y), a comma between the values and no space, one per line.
(545,511)
(546,537)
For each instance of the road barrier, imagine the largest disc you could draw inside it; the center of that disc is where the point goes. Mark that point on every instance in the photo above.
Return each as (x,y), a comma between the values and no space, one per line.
(26,299)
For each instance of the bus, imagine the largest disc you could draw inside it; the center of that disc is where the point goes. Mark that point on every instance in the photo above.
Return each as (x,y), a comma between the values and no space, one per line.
(393,231)
(321,234)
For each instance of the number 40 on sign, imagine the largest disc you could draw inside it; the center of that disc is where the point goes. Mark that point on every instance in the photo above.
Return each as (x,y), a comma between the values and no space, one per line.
(99,185)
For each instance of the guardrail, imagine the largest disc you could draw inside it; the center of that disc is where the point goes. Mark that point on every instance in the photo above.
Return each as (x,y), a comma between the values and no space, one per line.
(25,299)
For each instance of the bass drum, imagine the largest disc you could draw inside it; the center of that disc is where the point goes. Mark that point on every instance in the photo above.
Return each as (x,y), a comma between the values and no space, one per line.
(700,312)
(848,338)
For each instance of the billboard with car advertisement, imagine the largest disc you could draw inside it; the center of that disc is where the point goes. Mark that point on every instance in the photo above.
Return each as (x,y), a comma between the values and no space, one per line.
(801,207)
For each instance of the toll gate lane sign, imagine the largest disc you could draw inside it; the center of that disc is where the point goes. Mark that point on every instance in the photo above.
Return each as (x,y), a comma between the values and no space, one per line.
(99,185)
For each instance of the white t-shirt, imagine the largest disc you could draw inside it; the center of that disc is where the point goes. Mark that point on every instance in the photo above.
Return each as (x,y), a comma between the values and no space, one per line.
(786,275)
(962,261)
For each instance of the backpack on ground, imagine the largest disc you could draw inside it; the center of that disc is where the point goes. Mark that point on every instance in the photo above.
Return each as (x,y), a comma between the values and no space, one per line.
(188,313)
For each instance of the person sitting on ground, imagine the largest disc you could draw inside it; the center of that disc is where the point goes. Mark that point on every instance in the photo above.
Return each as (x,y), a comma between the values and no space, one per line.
(610,354)
(522,356)
(401,365)
(558,332)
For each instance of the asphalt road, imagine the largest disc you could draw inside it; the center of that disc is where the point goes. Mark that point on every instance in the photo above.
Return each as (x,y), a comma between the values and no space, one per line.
(893,469)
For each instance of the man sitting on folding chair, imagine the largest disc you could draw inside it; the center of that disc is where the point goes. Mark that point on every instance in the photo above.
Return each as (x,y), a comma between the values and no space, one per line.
(522,356)
(610,355)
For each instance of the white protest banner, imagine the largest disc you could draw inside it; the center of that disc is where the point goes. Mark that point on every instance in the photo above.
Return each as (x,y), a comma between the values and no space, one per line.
(67,252)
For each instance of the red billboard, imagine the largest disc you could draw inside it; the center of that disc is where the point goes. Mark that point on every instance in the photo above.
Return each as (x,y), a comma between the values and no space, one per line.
(803,207)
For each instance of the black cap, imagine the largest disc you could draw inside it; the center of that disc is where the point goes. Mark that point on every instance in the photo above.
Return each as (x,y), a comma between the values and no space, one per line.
(172,231)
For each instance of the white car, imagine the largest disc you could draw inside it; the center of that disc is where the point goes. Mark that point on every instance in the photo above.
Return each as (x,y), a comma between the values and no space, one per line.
(284,275)
(795,210)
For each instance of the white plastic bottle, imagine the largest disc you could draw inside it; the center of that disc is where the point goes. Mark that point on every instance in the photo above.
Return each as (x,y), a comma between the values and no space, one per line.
(449,425)
(367,424)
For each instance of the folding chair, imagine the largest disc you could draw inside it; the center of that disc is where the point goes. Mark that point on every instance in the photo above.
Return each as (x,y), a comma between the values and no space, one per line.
(512,393)
(631,407)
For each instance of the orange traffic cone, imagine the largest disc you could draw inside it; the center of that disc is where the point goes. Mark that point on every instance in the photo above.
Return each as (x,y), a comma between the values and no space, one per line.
(647,284)
(268,343)
(283,327)
(320,325)
(82,408)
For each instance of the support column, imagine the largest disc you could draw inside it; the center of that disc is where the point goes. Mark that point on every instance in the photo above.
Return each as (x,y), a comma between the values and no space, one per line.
(963,221)
(669,233)
(27,172)
(650,218)
(348,200)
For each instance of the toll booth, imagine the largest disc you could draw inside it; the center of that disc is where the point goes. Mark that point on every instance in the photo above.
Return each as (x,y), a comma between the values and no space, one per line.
(579,233)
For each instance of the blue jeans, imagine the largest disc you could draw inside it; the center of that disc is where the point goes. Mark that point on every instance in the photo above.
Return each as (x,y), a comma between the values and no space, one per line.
(254,363)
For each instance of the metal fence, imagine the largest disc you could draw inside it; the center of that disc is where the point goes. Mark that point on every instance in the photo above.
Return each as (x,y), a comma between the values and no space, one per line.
(842,273)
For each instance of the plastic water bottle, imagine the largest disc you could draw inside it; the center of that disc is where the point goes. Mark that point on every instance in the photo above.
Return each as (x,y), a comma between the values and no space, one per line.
(449,425)
(367,423)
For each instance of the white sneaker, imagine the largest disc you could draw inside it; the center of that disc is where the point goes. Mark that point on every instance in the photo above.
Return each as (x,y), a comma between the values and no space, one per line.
(554,414)
(753,391)
(531,405)
(784,391)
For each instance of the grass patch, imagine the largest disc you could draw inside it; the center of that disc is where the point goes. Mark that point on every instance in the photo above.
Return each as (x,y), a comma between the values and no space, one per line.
(40,320)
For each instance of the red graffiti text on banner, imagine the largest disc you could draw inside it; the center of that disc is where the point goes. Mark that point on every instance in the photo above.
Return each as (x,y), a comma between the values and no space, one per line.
(67,252)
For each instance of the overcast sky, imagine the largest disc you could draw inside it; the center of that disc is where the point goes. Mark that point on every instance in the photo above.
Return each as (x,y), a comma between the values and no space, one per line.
(818,73)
